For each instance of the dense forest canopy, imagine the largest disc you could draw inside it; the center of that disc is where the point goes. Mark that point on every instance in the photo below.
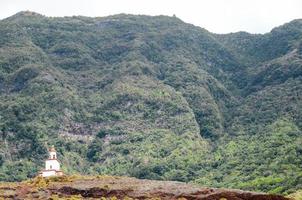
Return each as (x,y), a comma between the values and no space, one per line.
(152,97)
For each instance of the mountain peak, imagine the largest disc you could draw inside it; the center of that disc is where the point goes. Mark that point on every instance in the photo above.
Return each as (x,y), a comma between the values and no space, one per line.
(25,13)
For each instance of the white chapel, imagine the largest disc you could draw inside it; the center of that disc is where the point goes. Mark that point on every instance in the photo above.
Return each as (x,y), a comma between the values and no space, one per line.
(52,165)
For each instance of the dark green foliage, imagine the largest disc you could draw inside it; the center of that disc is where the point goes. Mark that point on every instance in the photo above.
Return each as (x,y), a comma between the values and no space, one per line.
(102,134)
(261,162)
(151,97)
(1,160)
(18,170)
(23,76)
(94,149)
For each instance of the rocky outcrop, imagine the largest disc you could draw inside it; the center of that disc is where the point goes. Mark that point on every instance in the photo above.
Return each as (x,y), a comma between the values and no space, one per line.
(122,188)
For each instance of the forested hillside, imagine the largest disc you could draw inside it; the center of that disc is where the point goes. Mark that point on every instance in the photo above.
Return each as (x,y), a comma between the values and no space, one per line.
(152,97)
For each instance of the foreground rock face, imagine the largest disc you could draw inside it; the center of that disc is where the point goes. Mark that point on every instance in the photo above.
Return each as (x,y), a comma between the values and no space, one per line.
(121,188)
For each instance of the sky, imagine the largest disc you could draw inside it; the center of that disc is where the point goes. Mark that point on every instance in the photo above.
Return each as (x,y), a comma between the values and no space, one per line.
(218,16)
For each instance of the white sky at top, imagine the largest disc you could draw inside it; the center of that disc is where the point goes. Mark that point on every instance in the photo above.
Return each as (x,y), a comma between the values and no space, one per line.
(219,16)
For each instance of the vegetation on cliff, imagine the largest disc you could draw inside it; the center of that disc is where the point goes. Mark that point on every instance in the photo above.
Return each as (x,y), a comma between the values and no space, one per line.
(152,97)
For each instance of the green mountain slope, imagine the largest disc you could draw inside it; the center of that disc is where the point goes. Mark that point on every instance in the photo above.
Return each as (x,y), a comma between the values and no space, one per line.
(151,97)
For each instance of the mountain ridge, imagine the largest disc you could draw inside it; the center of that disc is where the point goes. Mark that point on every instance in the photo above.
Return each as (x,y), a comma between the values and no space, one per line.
(107,90)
